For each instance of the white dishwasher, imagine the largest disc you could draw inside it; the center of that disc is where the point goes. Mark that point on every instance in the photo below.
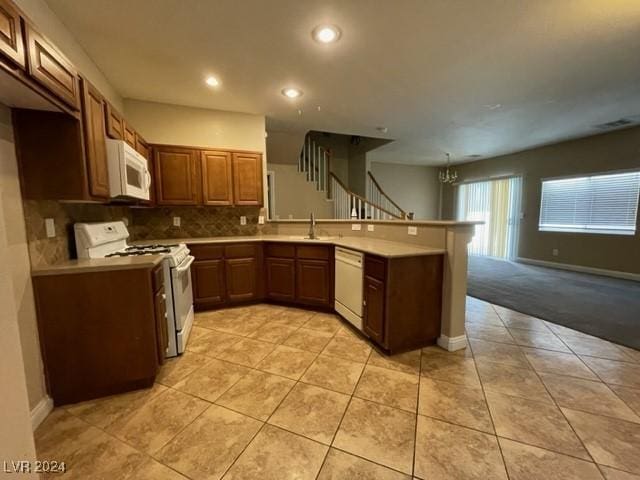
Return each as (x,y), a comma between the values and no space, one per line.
(348,291)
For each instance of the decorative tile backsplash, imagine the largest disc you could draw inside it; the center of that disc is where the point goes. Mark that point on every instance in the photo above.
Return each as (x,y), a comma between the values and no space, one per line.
(144,224)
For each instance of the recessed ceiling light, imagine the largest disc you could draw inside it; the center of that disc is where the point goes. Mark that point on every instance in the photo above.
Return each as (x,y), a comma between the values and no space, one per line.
(212,81)
(326,33)
(291,92)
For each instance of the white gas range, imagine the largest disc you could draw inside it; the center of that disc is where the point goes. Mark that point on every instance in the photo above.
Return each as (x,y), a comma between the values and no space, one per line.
(109,239)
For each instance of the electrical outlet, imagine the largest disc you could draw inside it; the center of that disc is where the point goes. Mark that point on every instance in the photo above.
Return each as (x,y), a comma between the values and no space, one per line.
(50,227)
(412,230)
(370,228)
(260,219)
(243,220)
(176,221)
(555,252)
(356,226)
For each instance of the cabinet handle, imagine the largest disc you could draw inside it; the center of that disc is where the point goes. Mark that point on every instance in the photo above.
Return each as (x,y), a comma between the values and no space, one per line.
(364,303)
(165,314)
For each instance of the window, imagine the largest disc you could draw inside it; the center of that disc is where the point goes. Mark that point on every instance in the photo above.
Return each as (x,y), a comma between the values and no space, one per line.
(605,203)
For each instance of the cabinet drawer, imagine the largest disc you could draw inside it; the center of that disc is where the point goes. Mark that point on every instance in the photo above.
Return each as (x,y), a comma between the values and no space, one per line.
(280,250)
(375,267)
(206,251)
(313,252)
(241,251)
(158,278)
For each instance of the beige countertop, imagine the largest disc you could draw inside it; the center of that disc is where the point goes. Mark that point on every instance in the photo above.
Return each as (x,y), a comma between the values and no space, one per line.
(374,246)
(97,265)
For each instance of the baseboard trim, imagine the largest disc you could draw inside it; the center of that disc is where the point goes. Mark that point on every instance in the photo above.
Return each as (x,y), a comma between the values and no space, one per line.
(578,268)
(40,411)
(454,343)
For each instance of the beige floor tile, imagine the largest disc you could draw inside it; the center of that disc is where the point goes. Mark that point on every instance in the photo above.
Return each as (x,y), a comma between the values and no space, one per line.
(348,348)
(276,455)
(525,462)
(273,332)
(287,361)
(247,352)
(347,330)
(61,434)
(323,322)
(334,373)
(389,387)
(311,411)
(631,353)
(308,340)
(483,317)
(292,317)
(451,368)
(153,470)
(498,353)
(436,349)
(447,452)
(630,396)
(587,395)
(613,474)
(342,466)
(536,339)
(212,343)
(242,324)
(616,373)
(208,446)
(150,427)
(177,368)
(212,380)
(525,322)
(408,362)
(257,394)
(196,332)
(558,362)
(479,305)
(610,441)
(513,381)
(594,347)
(534,423)
(378,433)
(489,333)
(454,403)
(563,331)
(102,412)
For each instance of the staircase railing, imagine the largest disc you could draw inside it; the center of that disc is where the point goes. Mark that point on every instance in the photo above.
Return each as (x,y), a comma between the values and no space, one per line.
(377,196)
(315,162)
(351,205)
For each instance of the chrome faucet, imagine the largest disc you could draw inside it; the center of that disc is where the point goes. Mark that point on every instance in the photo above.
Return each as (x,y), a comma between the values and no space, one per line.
(312,227)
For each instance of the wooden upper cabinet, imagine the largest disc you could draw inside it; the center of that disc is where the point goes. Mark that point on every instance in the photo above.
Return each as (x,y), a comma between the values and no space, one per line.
(176,176)
(11,40)
(143,148)
(51,69)
(95,140)
(247,179)
(129,134)
(115,123)
(217,179)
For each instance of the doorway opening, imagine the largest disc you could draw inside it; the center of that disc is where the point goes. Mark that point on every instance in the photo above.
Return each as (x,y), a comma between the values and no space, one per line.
(497,203)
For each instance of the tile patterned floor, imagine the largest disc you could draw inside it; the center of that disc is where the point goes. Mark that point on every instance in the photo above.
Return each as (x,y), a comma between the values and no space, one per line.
(270,392)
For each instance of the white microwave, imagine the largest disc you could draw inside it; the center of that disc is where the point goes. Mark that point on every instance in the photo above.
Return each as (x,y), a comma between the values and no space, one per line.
(128,171)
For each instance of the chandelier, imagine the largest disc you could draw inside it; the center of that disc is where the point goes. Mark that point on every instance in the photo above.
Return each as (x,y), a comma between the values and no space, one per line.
(448,175)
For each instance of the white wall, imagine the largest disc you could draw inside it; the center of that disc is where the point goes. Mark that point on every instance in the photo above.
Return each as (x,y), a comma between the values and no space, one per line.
(295,196)
(17,315)
(414,188)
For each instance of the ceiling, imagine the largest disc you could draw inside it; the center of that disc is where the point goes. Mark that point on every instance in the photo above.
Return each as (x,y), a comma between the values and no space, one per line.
(470,77)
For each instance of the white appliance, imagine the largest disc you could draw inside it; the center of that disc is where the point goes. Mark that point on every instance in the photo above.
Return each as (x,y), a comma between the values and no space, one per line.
(109,239)
(128,171)
(349,285)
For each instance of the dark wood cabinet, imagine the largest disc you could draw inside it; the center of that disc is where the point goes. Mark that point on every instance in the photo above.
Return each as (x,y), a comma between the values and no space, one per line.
(247,179)
(115,123)
(241,279)
(162,335)
(93,114)
(129,134)
(11,37)
(217,178)
(50,68)
(143,148)
(208,283)
(281,279)
(373,308)
(176,176)
(313,282)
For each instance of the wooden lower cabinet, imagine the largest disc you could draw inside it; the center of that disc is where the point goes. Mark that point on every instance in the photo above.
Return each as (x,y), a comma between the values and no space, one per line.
(313,282)
(208,281)
(373,308)
(241,279)
(281,279)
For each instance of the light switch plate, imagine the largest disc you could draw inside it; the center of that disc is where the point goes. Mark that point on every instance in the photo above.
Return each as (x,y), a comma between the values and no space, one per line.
(356,226)
(260,219)
(243,220)
(176,221)
(412,230)
(370,228)
(555,252)
(50,227)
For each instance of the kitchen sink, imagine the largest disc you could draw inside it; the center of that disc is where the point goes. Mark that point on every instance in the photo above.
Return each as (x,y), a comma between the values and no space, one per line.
(306,237)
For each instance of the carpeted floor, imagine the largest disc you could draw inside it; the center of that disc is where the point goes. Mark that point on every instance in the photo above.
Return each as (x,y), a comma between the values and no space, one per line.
(605,307)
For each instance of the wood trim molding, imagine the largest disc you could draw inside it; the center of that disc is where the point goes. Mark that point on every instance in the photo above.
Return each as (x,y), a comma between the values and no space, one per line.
(582,269)
(452,344)
(40,411)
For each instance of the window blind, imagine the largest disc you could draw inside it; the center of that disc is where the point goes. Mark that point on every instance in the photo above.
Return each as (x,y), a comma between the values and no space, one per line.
(606,203)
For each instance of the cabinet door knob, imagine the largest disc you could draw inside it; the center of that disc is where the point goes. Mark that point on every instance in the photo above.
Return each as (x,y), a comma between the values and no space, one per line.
(165,314)
(364,303)
(164,296)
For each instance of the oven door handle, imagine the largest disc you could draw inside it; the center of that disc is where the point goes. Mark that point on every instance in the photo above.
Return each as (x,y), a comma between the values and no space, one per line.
(184,266)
